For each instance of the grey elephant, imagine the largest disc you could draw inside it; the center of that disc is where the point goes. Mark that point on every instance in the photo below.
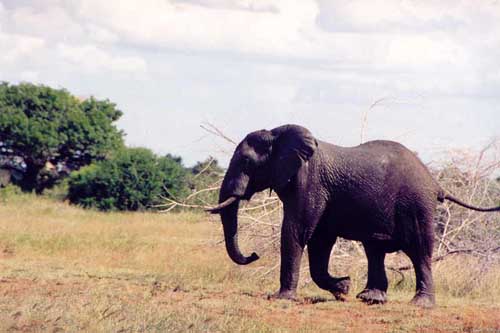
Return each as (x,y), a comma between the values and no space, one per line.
(378,193)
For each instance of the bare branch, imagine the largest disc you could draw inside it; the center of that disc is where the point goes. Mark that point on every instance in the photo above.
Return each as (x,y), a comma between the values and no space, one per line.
(442,257)
(210,128)
(210,161)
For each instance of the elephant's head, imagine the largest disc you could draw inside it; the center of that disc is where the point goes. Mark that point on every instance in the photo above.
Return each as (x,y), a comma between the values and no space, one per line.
(264,159)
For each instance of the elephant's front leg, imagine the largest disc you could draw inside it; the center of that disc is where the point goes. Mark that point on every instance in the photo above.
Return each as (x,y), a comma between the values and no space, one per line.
(291,255)
(320,248)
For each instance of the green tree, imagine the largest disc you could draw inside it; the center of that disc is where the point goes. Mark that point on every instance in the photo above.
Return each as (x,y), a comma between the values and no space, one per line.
(39,124)
(131,179)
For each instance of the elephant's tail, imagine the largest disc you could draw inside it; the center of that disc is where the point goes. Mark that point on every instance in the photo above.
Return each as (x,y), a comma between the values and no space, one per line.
(444,196)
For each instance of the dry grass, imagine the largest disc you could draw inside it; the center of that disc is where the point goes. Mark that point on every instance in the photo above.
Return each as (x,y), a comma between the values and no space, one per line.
(65,269)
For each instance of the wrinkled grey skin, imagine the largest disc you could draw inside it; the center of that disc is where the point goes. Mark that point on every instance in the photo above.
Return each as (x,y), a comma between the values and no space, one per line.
(378,193)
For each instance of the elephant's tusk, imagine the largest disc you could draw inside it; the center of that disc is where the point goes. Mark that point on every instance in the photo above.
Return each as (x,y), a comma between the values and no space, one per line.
(227,202)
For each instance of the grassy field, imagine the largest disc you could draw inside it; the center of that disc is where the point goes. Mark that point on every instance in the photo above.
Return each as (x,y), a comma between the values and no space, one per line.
(66,269)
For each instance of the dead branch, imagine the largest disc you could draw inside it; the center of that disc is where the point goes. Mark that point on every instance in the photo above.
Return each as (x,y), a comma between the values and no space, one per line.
(212,129)
(442,257)
(364,118)
(194,194)
(401,274)
(172,204)
(210,161)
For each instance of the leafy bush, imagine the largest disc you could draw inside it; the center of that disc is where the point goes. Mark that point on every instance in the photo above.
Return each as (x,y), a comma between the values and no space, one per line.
(132,179)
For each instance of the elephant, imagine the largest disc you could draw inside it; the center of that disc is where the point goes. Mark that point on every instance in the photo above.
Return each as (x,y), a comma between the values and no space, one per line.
(378,193)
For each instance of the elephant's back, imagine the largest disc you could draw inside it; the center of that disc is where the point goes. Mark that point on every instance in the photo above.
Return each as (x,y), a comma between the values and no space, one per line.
(406,176)
(379,168)
(383,146)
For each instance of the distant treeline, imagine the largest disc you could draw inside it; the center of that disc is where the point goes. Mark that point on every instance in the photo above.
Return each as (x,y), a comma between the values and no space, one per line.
(50,139)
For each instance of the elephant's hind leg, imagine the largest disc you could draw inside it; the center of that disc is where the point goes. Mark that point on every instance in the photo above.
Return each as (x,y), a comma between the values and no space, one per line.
(424,296)
(375,291)
(420,253)
(319,249)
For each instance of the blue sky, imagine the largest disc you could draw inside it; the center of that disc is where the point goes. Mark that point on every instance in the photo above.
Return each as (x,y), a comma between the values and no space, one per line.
(243,65)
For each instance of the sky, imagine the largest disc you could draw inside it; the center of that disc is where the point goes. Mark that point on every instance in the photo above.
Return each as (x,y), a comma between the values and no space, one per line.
(424,73)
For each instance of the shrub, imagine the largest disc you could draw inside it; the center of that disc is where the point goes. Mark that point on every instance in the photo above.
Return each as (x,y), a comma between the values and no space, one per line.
(132,179)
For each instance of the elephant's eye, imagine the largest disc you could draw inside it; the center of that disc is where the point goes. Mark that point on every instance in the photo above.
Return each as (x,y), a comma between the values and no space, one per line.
(246,162)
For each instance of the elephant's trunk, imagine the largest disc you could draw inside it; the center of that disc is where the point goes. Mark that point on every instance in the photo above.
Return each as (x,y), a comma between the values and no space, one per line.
(229,216)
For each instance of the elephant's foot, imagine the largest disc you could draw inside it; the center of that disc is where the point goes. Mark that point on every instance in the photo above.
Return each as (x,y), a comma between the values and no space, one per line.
(424,300)
(341,288)
(372,296)
(284,294)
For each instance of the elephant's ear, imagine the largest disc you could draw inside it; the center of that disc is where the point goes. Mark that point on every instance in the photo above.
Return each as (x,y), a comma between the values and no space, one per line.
(293,146)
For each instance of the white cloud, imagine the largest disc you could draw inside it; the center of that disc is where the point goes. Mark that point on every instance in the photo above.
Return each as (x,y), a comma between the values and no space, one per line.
(395,35)
(51,36)
(3,17)
(391,33)
(17,47)
(457,42)
(404,15)
(182,25)
(100,34)
(52,22)
(92,58)
(424,33)
(420,50)
(246,5)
